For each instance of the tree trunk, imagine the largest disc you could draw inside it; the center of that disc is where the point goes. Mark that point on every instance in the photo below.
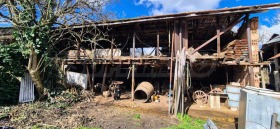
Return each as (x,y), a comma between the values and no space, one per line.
(34,73)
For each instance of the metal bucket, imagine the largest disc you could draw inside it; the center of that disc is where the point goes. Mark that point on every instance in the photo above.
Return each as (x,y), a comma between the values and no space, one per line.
(143,92)
(233,95)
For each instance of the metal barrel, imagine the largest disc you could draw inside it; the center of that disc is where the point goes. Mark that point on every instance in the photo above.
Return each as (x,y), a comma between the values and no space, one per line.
(233,95)
(143,92)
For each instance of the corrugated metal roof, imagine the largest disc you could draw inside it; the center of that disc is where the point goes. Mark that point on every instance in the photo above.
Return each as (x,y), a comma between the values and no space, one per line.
(274,40)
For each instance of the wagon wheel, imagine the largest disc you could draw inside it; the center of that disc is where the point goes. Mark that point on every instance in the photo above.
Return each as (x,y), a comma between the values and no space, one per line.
(200,96)
(216,91)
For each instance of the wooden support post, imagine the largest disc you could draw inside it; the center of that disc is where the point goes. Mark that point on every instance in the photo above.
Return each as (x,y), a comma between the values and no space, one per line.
(251,72)
(133,68)
(88,77)
(78,51)
(218,43)
(112,46)
(171,72)
(186,35)
(276,71)
(92,76)
(276,63)
(263,78)
(177,42)
(274,124)
(218,37)
(180,35)
(104,78)
(276,80)
(249,38)
(157,43)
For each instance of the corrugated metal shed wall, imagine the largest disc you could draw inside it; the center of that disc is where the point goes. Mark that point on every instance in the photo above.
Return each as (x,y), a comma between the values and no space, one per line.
(257,107)
(26,89)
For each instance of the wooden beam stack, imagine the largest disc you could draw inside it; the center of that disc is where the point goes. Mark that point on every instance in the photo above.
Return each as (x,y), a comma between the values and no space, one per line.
(238,49)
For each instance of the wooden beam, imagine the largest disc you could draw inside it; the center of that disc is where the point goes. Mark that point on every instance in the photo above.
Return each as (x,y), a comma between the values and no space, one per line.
(213,38)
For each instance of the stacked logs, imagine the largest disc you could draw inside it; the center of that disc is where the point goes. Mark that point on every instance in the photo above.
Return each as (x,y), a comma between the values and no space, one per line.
(238,49)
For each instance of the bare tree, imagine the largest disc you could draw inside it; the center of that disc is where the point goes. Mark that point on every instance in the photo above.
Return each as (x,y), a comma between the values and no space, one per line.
(40,24)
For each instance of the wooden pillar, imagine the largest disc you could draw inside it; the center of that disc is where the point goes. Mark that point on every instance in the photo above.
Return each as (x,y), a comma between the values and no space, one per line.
(218,43)
(263,78)
(112,46)
(93,64)
(276,71)
(180,35)
(157,43)
(104,78)
(276,63)
(133,67)
(92,75)
(249,38)
(78,51)
(251,72)
(186,35)
(218,37)
(88,77)
(176,37)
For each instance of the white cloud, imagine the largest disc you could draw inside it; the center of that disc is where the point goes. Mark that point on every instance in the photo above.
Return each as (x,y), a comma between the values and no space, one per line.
(266,31)
(159,7)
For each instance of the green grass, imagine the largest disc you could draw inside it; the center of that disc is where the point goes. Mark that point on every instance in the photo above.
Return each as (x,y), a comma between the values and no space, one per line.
(186,122)
(137,116)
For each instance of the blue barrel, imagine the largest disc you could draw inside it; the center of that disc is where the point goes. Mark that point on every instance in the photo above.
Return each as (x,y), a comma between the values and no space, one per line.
(233,95)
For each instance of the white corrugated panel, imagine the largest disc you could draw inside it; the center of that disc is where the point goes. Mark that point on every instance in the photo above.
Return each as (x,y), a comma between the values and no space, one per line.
(77,78)
(26,89)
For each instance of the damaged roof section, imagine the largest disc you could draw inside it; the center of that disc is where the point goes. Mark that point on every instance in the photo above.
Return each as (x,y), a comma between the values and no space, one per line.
(224,11)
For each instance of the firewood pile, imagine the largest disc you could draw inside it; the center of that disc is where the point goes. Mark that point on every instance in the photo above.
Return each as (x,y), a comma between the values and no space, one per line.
(238,50)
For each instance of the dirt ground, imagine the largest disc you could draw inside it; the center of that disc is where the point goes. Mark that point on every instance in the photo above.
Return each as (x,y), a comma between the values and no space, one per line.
(106,113)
